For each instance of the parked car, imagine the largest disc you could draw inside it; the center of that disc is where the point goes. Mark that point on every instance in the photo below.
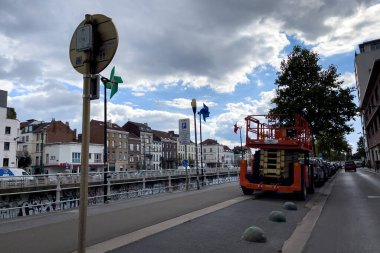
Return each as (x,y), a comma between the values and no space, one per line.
(14,174)
(349,166)
(319,173)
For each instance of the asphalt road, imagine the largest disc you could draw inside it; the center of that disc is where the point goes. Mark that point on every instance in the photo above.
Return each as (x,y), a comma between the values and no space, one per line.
(221,231)
(350,220)
(57,232)
(218,231)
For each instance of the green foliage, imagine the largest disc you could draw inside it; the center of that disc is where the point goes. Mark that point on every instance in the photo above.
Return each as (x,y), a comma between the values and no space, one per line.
(304,87)
(360,152)
(11,113)
(24,161)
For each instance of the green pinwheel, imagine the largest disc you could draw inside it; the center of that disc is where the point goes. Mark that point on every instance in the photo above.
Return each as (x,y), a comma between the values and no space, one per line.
(113,82)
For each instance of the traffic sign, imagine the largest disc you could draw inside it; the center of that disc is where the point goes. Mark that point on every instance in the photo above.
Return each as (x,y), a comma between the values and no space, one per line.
(184,131)
(104,39)
(185,163)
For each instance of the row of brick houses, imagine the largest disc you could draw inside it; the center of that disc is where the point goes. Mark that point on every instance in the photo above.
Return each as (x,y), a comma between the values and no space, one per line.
(53,147)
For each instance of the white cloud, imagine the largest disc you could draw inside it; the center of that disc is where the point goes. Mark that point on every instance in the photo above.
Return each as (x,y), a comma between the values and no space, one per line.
(347,32)
(6,85)
(185,103)
(236,112)
(348,79)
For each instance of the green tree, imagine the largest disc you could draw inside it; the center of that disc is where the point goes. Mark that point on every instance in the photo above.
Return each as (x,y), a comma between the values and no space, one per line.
(360,152)
(332,152)
(24,161)
(304,87)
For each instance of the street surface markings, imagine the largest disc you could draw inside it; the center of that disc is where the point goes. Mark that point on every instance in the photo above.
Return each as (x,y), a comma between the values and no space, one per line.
(374,197)
(148,231)
(301,234)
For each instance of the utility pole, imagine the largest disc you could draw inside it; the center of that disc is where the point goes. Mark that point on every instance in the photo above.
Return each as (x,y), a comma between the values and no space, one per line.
(83,57)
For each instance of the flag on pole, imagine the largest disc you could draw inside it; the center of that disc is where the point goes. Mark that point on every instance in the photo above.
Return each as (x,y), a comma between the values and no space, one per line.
(236,128)
(205,112)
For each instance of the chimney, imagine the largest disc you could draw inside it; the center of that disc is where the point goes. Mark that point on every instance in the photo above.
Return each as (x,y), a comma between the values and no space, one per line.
(67,123)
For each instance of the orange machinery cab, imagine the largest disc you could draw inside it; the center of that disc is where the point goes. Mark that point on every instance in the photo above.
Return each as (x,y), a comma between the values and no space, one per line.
(281,160)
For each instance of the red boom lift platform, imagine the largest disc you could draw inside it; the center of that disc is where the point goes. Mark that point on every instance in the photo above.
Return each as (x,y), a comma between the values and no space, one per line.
(281,162)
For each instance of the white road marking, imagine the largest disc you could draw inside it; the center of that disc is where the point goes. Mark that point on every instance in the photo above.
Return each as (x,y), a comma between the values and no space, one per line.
(148,231)
(374,197)
(301,234)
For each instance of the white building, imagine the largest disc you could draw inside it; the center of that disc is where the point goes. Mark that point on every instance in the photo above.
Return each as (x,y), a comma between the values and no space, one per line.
(212,153)
(9,130)
(228,156)
(60,157)
(189,154)
(157,153)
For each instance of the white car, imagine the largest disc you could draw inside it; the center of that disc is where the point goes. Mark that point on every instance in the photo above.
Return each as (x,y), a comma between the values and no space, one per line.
(14,174)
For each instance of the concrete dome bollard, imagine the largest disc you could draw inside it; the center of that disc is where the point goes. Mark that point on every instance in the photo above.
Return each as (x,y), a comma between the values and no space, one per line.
(277,216)
(290,206)
(254,234)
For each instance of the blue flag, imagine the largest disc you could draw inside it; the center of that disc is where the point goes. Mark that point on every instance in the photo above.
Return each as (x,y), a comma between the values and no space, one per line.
(204,111)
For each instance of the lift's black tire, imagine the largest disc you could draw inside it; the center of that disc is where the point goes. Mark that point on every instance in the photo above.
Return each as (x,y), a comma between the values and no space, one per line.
(303,193)
(311,188)
(247,191)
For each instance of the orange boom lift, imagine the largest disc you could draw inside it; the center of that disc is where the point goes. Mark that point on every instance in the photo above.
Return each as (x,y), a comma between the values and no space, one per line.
(281,162)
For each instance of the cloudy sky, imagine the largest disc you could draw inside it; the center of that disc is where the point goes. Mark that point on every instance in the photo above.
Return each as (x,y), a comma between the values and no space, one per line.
(224,53)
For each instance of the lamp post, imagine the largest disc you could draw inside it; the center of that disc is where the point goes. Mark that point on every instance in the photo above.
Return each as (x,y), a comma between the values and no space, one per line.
(200,140)
(194,107)
(105,155)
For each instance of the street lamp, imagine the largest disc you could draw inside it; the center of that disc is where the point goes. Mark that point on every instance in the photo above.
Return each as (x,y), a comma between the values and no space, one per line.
(194,107)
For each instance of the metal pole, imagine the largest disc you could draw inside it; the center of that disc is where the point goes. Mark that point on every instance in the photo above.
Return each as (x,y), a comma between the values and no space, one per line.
(200,137)
(194,107)
(84,152)
(105,166)
(241,146)
(187,173)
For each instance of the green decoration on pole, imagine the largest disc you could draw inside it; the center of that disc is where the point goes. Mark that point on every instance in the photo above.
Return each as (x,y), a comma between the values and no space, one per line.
(113,82)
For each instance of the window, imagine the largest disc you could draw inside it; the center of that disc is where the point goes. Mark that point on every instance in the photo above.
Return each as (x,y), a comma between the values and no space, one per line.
(120,136)
(75,157)
(6,145)
(137,147)
(98,157)
(89,156)
(7,130)
(27,138)
(37,147)
(47,158)
(120,155)
(130,147)
(131,158)
(52,157)
(37,160)
(25,148)
(113,144)
(6,162)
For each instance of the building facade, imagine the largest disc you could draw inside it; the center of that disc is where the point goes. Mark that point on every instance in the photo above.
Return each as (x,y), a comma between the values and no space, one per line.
(66,157)
(145,133)
(369,52)
(169,149)
(371,115)
(134,152)
(212,153)
(9,131)
(117,144)
(36,134)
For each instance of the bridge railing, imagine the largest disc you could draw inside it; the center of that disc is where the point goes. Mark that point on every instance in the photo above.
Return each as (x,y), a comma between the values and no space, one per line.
(74,178)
